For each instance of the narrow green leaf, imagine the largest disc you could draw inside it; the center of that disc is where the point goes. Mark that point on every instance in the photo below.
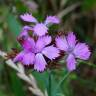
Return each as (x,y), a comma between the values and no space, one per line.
(16,85)
(13,25)
(41,79)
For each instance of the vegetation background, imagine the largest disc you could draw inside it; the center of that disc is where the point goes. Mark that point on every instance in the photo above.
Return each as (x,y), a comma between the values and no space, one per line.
(78,16)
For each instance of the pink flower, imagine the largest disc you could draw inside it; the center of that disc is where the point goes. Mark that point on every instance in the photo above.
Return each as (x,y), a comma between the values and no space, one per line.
(24,32)
(40,29)
(73,50)
(52,20)
(28,18)
(34,52)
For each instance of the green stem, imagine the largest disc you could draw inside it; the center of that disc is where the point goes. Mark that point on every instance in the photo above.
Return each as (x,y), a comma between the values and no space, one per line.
(87,63)
(63,79)
(49,80)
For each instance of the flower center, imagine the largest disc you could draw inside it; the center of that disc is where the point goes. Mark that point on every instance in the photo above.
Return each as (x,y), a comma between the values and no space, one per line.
(70,50)
(37,50)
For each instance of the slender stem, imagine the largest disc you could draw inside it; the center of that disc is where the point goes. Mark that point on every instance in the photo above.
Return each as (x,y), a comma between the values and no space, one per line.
(64,78)
(87,63)
(49,85)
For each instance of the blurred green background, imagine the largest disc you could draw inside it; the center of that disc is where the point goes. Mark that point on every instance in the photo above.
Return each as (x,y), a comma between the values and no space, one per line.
(78,16)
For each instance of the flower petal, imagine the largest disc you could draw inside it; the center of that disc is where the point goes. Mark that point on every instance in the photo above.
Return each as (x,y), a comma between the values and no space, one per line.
(40,63)
(40,29)
(28,58)
(47,39)
(61,43)
(52,20)
(28,44)
(39,44)
(28,17)
(19,57)
(82,51)
(71,63)
(24,31)
(71,39)
(51,52)
(42,42)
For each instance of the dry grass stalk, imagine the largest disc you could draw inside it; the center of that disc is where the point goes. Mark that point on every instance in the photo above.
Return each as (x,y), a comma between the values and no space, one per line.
(68,9)
(22,75)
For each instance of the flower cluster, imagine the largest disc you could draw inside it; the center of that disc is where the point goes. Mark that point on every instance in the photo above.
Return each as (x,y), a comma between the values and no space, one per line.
(38,46)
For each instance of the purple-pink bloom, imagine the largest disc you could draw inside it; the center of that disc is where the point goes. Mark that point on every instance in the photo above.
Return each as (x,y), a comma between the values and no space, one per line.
(52,20)
(24,32)
(28,18)
(40,29)
(73,50)
(34,51)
